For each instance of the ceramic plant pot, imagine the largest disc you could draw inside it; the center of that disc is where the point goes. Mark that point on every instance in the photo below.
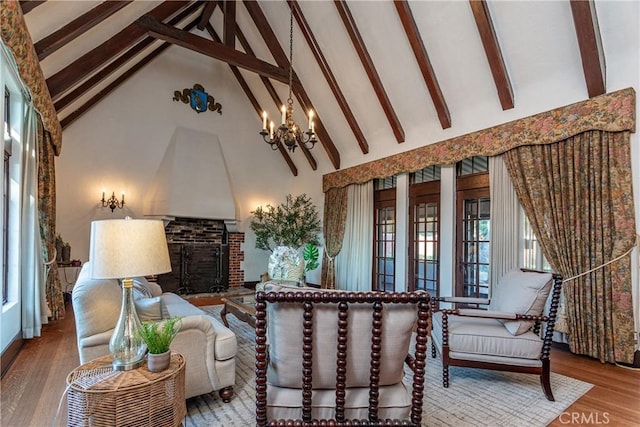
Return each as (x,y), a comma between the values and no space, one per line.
(158,362)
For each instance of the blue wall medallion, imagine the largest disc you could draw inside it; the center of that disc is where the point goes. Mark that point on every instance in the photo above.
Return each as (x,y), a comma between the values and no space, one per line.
(198,99)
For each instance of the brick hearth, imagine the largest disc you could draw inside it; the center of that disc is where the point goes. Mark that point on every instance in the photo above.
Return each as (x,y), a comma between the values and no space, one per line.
(204,257)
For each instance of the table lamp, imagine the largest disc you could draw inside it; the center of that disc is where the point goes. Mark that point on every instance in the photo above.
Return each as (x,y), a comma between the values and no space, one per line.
(123,249)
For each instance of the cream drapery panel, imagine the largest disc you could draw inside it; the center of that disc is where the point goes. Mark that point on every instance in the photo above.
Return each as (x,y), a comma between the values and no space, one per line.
(505,221)
(354,262)
(33,301)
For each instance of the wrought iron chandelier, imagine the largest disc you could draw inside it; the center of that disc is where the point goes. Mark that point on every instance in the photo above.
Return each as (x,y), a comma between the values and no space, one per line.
(288,134)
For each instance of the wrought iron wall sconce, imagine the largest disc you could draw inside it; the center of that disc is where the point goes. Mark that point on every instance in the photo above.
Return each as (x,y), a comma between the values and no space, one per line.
(112,203)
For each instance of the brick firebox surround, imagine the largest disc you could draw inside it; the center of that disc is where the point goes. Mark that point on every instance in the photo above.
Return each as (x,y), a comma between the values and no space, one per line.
(203,232)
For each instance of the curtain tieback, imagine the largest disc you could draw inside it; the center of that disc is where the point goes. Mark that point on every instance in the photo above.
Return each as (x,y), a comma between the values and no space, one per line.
(637,242)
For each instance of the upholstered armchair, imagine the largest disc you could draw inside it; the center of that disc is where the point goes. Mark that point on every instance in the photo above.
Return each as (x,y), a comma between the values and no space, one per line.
(338,356)
(507,336)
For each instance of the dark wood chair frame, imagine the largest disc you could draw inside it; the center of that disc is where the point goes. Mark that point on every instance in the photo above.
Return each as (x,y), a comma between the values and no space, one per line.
(543,371)
(343,300)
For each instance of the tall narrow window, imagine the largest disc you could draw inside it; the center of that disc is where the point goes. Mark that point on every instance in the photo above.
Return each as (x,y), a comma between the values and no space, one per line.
(384,235)
(6,196)
(424,223)
(473,227)
(532,256)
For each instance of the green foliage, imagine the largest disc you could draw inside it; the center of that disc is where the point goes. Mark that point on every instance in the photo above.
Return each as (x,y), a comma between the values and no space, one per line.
(310,254)
(292,223)
(158,335)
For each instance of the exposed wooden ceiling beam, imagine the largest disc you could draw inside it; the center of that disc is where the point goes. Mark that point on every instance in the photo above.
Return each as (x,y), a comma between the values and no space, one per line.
(420,52)
(75,28)
(369,67)
(256,105)
(211,48)
(207,11)
(98,57)
(229,34)
(328,75)
(274,95)
(492,50)
(28,5)
(590,43)
(279,55)
(121,60)
(75,115)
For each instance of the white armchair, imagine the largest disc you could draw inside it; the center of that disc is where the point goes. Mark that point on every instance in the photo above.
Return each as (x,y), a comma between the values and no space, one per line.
(506,336)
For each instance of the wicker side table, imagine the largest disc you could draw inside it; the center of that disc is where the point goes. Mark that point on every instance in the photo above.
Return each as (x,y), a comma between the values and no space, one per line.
(99,396)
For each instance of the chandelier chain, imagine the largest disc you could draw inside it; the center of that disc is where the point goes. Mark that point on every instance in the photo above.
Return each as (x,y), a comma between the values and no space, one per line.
(290,101)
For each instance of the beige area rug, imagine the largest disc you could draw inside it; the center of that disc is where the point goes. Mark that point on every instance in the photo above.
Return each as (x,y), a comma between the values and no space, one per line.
(475,397)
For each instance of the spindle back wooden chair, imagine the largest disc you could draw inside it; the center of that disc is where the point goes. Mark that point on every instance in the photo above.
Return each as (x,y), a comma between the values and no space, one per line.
(337,358)
(505,337)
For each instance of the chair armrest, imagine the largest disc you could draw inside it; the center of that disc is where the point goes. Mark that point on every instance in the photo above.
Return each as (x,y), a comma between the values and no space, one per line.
(471,312)
(462,300)
(96,340)
(474,312)
(197,321)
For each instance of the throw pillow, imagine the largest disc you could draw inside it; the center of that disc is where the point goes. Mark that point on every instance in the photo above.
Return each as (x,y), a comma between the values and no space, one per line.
(149,309)
(141,288)
(521,292)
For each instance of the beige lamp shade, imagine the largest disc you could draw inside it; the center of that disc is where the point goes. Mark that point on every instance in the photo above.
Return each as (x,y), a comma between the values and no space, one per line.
(124,248)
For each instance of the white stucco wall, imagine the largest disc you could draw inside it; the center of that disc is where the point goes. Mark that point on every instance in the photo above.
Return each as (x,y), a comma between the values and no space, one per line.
(119,144)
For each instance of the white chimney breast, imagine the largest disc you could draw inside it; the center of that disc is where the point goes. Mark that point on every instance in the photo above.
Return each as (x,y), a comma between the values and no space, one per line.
(192,180)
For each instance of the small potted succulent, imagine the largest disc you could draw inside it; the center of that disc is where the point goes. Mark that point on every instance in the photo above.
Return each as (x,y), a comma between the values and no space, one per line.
(158,337)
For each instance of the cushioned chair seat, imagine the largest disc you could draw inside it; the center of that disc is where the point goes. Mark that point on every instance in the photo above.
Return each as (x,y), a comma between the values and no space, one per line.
(486,337)
(286,403)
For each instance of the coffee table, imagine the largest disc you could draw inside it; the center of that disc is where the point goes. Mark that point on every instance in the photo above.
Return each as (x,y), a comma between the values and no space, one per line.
(243,307)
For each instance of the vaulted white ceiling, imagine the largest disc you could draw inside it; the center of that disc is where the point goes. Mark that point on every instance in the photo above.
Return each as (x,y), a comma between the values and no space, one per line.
(538,42)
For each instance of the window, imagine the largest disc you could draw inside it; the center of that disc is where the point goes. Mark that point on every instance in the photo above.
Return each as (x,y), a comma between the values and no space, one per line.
(532,256)
(6,186)
(384,235)
(424,215)
(473,225)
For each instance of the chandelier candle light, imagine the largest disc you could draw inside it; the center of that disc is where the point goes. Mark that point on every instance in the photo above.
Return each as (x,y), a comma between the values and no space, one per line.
(124,249)
(288,134)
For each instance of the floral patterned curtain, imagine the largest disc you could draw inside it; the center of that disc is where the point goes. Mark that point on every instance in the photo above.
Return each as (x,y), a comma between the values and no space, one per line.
(335,217)
(577,194)
(47,212)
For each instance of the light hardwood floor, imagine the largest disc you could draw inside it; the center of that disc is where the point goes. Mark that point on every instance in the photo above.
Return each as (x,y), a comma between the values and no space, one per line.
(33,386)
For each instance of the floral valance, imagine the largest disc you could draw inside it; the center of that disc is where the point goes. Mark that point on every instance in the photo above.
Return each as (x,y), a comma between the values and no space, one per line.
(610,112)
(17,39)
